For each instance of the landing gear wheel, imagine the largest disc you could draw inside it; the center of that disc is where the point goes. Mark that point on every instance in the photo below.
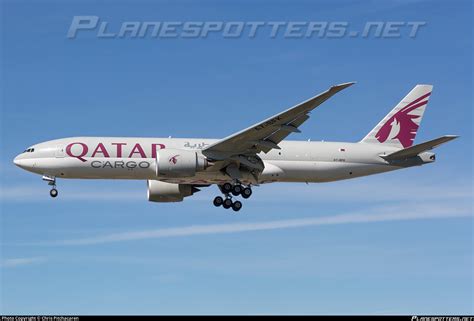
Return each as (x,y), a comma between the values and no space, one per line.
(53,192)
(227,203)
(246,192)
(227,188)
(237,190)
(237,206)
(218,201)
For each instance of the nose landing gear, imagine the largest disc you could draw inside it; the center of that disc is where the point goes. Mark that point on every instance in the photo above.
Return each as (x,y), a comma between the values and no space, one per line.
(53,192)
(51,182)
(228,190)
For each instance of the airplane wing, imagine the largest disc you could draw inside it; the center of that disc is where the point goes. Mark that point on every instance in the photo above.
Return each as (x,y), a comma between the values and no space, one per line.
(265,135)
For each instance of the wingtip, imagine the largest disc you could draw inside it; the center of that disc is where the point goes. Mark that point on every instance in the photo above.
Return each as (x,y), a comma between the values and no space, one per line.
(452,136)
(350,83)
(427,85)
(344,85)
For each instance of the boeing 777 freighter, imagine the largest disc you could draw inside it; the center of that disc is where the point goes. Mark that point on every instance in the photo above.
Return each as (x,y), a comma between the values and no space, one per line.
(176,168)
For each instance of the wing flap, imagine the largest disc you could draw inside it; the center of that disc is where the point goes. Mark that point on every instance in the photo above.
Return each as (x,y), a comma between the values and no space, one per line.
(279,135)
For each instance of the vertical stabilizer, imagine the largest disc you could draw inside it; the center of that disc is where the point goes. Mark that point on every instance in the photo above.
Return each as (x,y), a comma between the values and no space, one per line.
(400,126)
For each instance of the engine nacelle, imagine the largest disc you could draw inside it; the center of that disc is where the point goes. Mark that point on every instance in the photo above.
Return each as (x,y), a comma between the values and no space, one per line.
(168,192)
(179,163)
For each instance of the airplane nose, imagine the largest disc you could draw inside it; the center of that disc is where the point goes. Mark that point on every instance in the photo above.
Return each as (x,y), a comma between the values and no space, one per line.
(17,161)
(24,163)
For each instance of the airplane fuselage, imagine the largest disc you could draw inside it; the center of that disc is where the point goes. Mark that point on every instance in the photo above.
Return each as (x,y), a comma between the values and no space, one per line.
(136,158)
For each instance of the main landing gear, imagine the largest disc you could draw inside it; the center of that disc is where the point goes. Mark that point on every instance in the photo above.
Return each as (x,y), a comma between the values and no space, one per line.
(51,182)
(235,189)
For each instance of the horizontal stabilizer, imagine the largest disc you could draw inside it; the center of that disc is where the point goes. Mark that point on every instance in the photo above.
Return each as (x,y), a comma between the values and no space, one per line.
(417,149)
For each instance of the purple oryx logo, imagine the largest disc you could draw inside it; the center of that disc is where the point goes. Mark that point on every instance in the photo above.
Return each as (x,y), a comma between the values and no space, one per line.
(403,125)
(173,159)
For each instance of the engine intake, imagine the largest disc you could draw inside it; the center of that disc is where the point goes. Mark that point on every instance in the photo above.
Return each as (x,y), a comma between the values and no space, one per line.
(179,163)
(168,192)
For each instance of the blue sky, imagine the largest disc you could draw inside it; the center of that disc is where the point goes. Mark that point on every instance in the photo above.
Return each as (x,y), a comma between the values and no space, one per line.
(395,243)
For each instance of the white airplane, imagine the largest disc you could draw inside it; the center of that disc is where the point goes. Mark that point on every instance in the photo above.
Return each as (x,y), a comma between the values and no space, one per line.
(176,168)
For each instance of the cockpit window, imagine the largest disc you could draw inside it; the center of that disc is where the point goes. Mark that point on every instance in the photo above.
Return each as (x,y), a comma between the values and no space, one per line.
(29,150)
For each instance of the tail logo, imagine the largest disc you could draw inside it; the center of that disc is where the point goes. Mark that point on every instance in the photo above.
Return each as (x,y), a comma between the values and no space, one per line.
(404,124)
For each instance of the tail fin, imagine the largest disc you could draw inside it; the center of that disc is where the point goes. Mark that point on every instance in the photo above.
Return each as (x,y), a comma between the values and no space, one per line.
(399,127)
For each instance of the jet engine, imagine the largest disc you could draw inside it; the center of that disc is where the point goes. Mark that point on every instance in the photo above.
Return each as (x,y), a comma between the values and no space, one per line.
(179,163)
(168,192)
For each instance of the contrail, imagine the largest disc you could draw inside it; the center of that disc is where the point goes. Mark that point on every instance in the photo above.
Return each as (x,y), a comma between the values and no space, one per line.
(381,215)
(14,262)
